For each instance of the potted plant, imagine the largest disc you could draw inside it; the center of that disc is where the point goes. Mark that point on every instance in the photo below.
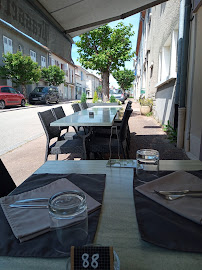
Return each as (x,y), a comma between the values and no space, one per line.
(145,105)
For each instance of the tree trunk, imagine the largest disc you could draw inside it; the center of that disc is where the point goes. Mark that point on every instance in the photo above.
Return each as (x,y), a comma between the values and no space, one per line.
(105,85)
(24,91)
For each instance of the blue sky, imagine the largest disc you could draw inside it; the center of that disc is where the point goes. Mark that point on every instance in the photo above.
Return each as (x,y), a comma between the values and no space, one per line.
(134,20)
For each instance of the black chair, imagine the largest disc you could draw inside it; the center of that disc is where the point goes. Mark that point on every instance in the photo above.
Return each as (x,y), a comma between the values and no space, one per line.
(100,144)
(59,113)
(76,107)
(61,146)
(84,106)
(7,184)
(106,131)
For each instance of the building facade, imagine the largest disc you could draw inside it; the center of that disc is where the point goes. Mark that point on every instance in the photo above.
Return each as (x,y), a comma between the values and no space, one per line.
(13,40)
(156,62)
(66,89)
(80,75)
(92,83)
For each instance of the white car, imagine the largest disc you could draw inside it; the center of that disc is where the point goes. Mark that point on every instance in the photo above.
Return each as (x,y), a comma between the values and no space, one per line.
(118,94)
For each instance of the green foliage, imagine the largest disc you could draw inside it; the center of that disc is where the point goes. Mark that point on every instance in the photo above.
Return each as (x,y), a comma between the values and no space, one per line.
(99,89)
(83,98)
(171,132)
(21,69)
(146,101)
(124,78)
(119,102)
(149,114)
(112,99)
(53,75)
(106,49)
(95,97)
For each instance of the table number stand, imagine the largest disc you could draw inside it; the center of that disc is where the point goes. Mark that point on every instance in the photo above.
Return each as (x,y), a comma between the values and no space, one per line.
(92,257)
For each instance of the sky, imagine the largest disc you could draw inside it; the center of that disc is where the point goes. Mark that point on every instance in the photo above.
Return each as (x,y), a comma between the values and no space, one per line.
(134,20)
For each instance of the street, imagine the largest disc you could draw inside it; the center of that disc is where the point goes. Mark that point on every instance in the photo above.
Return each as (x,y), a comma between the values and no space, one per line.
(20,125)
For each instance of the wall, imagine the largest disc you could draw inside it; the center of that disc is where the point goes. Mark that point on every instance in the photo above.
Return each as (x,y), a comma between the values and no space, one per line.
(196,111)
(25,16)
(159,33)
(165,18)
(165,104)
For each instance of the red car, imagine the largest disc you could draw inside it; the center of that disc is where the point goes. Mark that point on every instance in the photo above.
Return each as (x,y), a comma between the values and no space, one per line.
(9,96)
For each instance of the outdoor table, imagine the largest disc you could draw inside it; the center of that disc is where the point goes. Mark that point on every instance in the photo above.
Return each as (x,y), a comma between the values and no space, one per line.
(117,224)
(102,116)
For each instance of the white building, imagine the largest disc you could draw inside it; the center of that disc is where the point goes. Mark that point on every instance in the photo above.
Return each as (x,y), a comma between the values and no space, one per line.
(156,62)
(80,75)
(92,82)
(67,89)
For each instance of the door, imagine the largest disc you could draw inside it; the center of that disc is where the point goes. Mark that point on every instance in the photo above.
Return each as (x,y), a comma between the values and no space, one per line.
(5,95)
(15,98)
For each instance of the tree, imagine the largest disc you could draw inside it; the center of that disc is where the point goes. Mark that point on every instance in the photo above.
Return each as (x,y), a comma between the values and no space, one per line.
(124,78)
(53,75)
(106,49)
(21,69)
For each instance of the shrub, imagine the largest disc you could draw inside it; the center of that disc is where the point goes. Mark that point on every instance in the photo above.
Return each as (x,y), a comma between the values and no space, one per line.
(146,101)
(112,99)
(95,97)
(171,132)
(83,98)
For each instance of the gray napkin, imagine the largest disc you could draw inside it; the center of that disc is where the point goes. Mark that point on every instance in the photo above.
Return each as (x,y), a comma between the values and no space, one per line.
(29,223)
(188,207)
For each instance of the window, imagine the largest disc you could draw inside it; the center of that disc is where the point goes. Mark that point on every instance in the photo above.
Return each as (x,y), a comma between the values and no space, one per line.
(8,45)
(168,58)
(5,90)
(12,90)
(43,61)
(33,55)
(53,62)
(81,75)
(19,48)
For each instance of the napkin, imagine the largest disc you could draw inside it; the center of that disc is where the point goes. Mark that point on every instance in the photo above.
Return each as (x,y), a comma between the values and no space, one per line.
(187,207)
(29,223)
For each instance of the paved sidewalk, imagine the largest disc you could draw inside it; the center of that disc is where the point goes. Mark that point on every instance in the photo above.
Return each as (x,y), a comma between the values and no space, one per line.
(145,133)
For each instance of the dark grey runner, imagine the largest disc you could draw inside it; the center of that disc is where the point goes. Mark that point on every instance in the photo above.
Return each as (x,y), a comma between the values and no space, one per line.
(160,226)
(43,245)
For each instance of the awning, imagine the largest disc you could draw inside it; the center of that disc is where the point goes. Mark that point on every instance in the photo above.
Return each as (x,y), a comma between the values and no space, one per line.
(79,16)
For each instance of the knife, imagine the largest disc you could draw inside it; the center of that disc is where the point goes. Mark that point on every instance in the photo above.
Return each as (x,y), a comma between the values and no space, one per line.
(28,203)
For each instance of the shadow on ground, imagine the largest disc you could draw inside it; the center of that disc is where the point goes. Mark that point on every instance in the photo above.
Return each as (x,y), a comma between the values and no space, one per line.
(167,150)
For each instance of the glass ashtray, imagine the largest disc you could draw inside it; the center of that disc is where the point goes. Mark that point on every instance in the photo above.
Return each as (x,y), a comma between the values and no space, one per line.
(116,262)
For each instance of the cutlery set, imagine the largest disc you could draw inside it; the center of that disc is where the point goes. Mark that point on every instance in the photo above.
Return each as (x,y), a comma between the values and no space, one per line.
(168,195)
(173,195)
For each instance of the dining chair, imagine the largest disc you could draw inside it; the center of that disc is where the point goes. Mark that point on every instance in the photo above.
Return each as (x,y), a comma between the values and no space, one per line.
(101,144)
(76,107)
(59,113)
(84,106)
(106,131)
(6,182)
(61,145)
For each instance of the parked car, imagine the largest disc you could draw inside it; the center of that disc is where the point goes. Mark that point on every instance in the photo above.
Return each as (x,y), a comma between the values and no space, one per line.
(127,94)
(118,94)
(10,97)
(44,94)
